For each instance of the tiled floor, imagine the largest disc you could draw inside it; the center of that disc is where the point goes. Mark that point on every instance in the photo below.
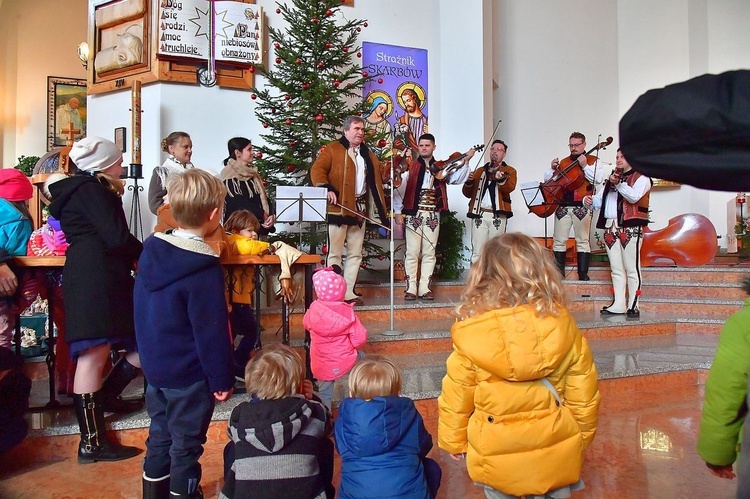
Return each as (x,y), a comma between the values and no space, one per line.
(645,447)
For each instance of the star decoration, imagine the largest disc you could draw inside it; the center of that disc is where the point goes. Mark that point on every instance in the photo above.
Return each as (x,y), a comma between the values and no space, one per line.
(222,30)
(201,21)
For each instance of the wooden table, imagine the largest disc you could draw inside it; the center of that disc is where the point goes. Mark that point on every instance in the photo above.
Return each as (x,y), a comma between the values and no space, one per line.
(52,264)
(243,262)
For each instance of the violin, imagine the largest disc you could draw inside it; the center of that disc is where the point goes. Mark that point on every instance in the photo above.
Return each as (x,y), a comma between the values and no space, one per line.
(617,173)
(442,169)
(568,177)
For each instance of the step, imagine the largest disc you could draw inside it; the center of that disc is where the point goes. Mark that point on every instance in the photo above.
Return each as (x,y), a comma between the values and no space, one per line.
(655,289)
(379,309)
(423,373)
(433,334)
(665,306)
(55,444)
(724,273)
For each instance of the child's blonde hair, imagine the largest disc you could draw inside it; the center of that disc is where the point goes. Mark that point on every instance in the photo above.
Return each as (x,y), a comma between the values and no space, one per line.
(240,220)
(275,373)
(374,376)
(193,195)
(513,269)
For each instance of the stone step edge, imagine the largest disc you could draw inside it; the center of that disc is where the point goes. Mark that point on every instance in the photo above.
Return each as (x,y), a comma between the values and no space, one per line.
(570,281)
(140,420)
(441,333)
(438,303)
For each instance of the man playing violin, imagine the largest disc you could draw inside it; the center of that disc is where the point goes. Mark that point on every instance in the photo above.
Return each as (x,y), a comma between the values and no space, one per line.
(425,198)
(571,212)
(624,214)
(354,178)
(488,189)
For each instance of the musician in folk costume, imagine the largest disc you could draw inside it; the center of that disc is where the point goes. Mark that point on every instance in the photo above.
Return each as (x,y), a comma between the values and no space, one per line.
(354,178)
(571,212)
(488,189)
(425,199)
(624,214)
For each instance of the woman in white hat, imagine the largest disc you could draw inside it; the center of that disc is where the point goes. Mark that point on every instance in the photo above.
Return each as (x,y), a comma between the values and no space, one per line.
(97,290)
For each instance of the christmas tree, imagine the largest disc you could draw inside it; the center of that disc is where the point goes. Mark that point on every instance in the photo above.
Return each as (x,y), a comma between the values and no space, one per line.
(315,83)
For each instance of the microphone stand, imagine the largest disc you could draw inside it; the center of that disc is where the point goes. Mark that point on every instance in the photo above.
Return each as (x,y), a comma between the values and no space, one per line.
(392,331)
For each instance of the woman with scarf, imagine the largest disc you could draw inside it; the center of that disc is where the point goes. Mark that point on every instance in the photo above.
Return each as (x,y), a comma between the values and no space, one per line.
(180,149)
(245,190)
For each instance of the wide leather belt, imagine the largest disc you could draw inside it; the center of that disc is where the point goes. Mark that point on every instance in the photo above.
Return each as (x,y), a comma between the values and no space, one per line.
(427,200)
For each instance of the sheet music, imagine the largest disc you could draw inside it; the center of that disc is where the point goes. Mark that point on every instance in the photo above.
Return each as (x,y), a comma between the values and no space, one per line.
(532,194)
(313,207)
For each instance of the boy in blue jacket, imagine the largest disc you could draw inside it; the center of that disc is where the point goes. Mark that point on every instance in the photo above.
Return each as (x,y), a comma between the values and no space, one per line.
(382,439)
(182,330)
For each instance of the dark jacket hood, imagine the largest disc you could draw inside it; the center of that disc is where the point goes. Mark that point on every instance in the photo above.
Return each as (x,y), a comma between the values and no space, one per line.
(168,251)
(62,191)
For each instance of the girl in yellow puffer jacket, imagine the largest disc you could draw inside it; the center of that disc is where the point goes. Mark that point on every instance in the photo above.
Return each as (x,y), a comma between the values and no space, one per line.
(520,398)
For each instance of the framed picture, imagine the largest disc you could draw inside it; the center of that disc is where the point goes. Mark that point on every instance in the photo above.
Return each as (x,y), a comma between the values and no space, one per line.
(120,137)
(120,42)
(66,106)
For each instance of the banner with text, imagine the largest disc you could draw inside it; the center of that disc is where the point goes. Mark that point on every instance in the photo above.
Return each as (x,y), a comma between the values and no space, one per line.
(184,30)
(397,94)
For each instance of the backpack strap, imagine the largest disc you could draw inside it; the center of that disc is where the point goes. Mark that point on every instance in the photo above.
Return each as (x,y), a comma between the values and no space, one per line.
(551,388)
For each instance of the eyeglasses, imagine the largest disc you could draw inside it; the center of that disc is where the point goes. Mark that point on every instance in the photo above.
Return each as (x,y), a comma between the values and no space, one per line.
(575,145)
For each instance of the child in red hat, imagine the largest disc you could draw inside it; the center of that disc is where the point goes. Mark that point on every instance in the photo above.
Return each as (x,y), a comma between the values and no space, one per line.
(15,230)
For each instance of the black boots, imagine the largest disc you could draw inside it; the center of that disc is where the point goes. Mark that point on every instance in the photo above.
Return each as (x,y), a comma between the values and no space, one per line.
(122,373)
(155,488)
(158,488)
(94,444)
(583,266)
(560,259)
(198,494)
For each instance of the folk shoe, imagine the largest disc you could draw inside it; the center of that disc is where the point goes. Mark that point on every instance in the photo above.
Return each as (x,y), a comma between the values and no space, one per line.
(428,296)
(606,311)
(410,296)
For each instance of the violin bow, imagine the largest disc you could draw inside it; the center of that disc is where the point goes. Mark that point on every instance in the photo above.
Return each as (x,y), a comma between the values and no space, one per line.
(487,144)
(361,215)
(596,165)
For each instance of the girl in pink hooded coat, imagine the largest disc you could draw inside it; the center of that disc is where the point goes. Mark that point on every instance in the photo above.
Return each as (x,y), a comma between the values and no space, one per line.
(335,332)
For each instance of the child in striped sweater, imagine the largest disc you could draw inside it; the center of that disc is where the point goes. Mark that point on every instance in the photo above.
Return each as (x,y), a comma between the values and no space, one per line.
(279,439)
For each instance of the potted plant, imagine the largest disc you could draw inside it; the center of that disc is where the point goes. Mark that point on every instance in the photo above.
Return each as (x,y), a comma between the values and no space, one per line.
(26,164)
(742,231)
(450,247)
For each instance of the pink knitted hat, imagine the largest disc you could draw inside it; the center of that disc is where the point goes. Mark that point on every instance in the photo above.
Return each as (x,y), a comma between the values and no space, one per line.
(329,286)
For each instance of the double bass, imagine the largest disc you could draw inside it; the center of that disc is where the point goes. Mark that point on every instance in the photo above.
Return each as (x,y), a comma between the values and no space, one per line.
(568,177)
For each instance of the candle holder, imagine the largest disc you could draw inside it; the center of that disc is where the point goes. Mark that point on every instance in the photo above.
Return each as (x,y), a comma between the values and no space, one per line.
(135,172)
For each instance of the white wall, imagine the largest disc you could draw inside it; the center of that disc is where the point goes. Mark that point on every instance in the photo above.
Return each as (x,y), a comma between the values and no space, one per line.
(558,67)
(213,115)
(620,49)
(557,73)
(37,39)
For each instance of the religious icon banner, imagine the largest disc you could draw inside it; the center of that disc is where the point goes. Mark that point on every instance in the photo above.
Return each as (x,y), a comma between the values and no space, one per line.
(396,96)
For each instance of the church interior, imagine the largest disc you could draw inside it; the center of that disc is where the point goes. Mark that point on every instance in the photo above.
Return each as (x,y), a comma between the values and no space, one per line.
(530,72)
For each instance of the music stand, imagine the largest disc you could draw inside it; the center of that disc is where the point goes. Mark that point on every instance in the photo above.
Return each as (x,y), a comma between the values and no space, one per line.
(537,194)
(310,202)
